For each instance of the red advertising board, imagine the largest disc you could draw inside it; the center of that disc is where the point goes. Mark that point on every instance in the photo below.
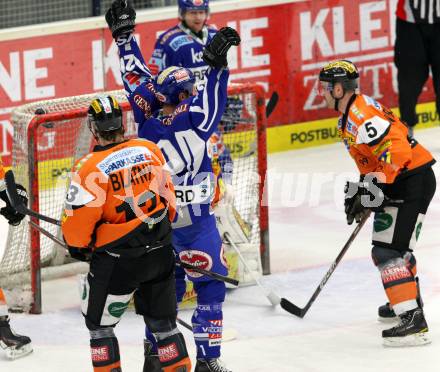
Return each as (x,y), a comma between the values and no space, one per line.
(283,46)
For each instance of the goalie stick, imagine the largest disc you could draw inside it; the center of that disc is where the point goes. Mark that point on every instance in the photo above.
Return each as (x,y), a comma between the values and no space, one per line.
(272,103)
(273,298)
(182,264)
(300,312)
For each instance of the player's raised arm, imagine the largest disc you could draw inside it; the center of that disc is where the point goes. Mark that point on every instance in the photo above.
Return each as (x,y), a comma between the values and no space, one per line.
(209,104)
(135,74)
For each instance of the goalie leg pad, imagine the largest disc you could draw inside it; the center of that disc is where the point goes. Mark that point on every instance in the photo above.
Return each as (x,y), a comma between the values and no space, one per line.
(397,278)
(104,350)
(207,324)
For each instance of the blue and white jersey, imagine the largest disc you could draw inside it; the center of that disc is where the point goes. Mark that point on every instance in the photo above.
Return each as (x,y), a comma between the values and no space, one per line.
(182,136)
(179,46)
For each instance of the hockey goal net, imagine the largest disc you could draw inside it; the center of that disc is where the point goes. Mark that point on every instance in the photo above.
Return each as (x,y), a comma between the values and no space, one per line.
(46,145)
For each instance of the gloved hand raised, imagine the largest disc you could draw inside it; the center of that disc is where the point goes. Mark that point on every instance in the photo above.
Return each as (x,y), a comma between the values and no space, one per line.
(121,18)
(216,51)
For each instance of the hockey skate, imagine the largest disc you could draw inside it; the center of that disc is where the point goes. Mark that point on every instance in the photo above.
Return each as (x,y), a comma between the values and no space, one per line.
(412,330)
(210,365)
(15,345)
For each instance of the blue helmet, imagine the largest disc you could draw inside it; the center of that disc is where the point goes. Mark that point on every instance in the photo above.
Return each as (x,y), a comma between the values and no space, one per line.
(185,5)
(173,81)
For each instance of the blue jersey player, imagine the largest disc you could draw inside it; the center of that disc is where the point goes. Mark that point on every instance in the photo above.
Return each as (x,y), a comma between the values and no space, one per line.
(183,44)
(181,124)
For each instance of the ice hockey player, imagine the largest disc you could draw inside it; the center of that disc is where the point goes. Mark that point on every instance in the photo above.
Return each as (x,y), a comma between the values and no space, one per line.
(181,129)
(15,345)
(183,44)
(397,183)
(118,211)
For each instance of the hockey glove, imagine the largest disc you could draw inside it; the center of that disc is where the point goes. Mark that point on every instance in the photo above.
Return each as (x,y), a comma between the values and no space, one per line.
(361,196)
(14,218)
(80,254)
(121,18)
(216,51)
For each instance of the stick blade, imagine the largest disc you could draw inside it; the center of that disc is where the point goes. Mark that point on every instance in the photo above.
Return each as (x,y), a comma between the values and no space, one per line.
(11,190)
(291,308)
(273,101)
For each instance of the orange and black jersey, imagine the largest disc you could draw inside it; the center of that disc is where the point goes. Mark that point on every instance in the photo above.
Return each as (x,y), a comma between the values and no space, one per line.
(378,141)
(114,190)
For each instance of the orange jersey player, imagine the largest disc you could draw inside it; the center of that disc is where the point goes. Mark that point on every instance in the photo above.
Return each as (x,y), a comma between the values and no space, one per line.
(118,211)
(396,171)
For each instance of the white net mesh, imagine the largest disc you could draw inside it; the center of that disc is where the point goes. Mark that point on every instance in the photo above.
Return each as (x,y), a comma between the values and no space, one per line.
(46,147)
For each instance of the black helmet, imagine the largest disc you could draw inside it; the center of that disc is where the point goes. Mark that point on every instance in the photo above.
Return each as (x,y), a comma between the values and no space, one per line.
(342,71)
(105,114)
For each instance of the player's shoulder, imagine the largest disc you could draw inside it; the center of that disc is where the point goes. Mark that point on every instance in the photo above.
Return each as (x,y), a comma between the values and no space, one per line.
(169,35)
(212,30)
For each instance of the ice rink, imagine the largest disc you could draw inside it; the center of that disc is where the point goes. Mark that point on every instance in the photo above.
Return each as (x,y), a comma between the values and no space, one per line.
(340,333)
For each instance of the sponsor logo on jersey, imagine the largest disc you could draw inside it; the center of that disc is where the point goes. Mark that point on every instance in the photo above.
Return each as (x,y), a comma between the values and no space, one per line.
(371,102)
(170,33)
(99,353)
(356,112)
(196,56)
(351,127)
(382,147)
(180,41)
(198,2)
(124,158)
(168,352)
(198,259)
(142,103)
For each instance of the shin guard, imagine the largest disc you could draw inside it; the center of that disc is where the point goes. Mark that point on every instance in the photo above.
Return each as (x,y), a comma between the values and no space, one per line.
(105,351)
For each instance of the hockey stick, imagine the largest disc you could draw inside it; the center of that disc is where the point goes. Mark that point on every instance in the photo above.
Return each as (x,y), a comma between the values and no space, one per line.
(211,274)
(300,312)
(272,103)
(182,264)
(273,298)
(17,202)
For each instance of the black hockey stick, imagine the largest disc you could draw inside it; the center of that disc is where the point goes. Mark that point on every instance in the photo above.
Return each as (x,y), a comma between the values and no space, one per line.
(182,264)
(272,103)
(17,202)
(300,312)
(211,274)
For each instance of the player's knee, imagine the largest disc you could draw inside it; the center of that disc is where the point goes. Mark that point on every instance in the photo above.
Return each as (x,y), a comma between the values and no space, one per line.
(162,325)
(210,291)
(104,349)
(382,255)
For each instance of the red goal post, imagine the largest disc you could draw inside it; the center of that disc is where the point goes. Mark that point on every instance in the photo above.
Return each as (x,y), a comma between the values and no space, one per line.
(45,146)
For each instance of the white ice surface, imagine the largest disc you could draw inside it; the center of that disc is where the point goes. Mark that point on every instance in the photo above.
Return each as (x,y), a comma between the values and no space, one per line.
(340,333)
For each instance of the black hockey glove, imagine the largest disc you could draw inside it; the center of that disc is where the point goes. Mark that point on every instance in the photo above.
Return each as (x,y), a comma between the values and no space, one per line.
(362,196)
(216,51)
(121,18)
(14,218)
(80,254)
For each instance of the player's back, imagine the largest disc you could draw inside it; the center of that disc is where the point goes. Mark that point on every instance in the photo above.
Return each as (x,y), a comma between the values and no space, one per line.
(116,188)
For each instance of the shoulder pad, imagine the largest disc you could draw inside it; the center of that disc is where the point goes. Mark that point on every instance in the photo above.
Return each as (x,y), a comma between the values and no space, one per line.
(169,33)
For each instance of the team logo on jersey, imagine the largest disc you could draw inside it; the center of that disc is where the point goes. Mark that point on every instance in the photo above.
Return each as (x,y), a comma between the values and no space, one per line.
(198,259)
(180,41)
(198,2)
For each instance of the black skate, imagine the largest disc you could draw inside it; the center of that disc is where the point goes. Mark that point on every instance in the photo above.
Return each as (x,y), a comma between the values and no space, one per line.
(412,330)
(15,345)
(151,362)
(386,312)
(210,365)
